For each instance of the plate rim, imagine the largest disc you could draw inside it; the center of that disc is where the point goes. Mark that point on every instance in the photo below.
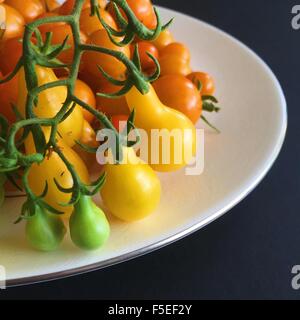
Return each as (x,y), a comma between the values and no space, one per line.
(197,226)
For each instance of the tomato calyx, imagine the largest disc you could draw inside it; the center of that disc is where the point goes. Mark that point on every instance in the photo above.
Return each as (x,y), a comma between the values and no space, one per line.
(209,104)
(132,27)
(135,76)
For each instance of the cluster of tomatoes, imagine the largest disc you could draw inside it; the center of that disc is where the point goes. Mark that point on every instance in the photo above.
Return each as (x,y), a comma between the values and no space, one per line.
(178,87)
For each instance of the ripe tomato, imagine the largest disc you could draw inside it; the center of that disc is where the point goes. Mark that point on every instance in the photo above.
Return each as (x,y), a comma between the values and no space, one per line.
(206,80)
(111,65)
(9,96)
(51,5)
(132,190)
(53,167)
(68,6)
(10,53)
(86,94)
(30,9)
(59,35)
(111,107)
(175,59)
(14,23)
(180,93)
(89,24)
(88,137)
(49,104)
(174,65)
(176,49)
(143,10)
(164,39)
(48,27)
(146,61)
(119,121)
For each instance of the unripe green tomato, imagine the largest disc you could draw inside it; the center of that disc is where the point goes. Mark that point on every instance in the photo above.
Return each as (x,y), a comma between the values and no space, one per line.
(45,231)
(89,227)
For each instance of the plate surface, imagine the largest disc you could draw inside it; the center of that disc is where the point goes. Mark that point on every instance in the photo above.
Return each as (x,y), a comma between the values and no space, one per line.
(253,123)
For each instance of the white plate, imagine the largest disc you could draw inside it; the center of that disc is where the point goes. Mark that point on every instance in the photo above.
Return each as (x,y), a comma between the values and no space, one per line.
(253,123)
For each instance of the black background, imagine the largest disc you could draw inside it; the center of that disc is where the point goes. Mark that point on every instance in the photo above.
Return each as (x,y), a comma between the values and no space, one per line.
(248,253)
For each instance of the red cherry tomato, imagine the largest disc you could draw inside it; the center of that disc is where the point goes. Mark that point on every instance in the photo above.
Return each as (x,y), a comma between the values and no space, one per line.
(145,47)
(10,53)
(119,121)
(9,96)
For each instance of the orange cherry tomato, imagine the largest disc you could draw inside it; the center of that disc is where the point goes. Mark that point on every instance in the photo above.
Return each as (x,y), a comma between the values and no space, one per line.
(48,27)
(176,49)
(111,107)
(164,39)
(85,93)
(178,92)
(10,53)
(59,35)
(51,5)
(89,24)
(88,138)
(206,80)
(175,59)
(145,47)
(174,65)
(14,23)
(9,96)
(68,6)
(119,121)
(143,10)
(30,9)
(111,65)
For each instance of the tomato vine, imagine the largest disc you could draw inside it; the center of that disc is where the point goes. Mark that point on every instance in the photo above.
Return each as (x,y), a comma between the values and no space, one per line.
(43,53)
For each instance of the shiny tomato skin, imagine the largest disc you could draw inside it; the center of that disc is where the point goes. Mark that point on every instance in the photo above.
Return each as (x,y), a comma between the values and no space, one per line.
(132,190)
(68,6)
(53,167)
(111,65)
(85,94)
(15,23)
(48,27)
(10,53)
(176,49)
(88,138)
(51,5)
(143,10)
(30,9)
(178,92)
(206,80)
(90,24)
(111,107)
(175,59)
(174,65)
(119,121)
(145,47)
(59,35)
(163,40)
